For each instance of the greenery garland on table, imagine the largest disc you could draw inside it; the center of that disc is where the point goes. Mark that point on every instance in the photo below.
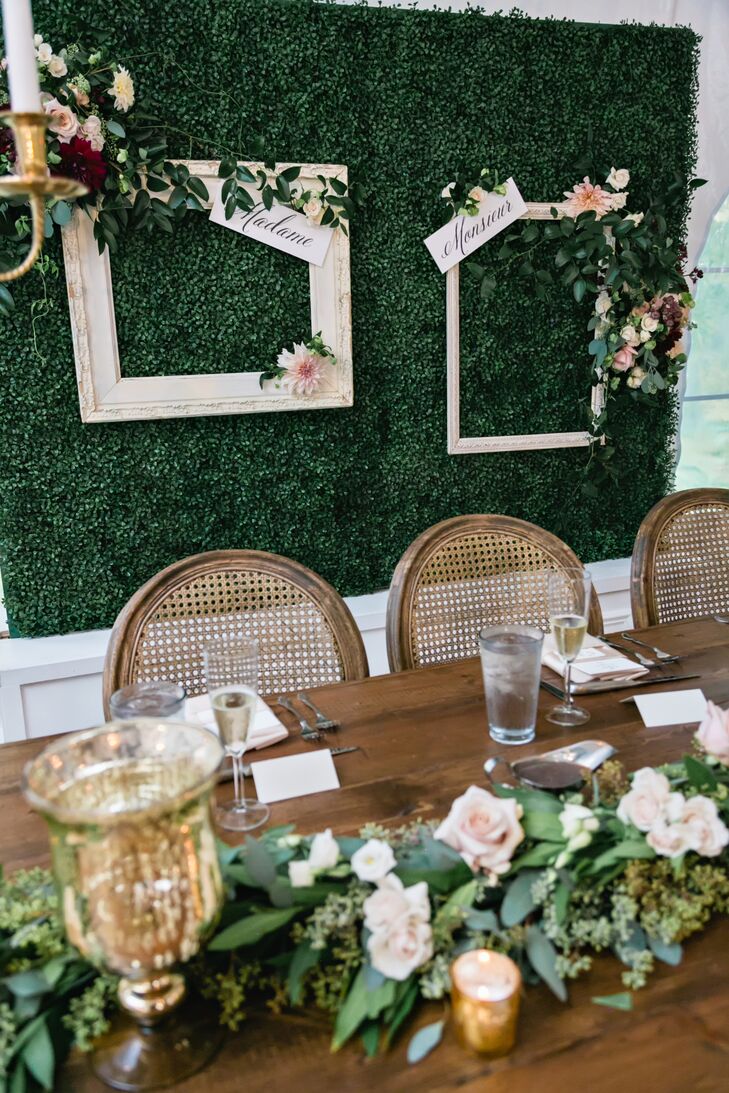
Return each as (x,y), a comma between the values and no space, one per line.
(364,927)
(631,264)
(99,134)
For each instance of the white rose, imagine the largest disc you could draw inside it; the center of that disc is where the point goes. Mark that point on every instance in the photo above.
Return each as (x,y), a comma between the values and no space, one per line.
(446,191)
(402,947)
(324,852)
(618,179)
(91,131)
(617,201)
(635,217)
(373,861)
(484,829)
(576,819)
(669,840)
(713,732)
(645,335)
(300,874)
(707,834)
(636,377)
(630,335)
(312,209)
(44,53)
(477,194)
(37,40)
(644,803)
(648,322)
(392,900)
(57,66)
(64,123)
(603,303)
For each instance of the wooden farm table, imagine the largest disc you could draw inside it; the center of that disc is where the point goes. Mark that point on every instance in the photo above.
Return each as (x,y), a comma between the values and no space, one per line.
(423,739)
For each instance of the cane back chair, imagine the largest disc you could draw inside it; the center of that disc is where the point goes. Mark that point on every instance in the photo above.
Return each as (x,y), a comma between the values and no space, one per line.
(467,573)
(680,567)
(305,631)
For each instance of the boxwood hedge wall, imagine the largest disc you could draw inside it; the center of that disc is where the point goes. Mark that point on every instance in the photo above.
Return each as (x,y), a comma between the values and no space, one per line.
(89,512)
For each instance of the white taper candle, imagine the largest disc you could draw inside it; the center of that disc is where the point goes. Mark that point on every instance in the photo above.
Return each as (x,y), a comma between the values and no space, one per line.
(20,50)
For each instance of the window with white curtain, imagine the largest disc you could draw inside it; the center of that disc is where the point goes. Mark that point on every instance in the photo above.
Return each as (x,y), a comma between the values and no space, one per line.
(704,456)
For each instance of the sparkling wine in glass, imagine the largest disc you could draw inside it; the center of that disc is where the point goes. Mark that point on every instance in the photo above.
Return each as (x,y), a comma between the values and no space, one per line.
(569,605)
(231,673)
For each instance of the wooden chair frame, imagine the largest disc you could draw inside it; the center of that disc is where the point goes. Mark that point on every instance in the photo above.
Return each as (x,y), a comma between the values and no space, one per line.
(643,598)
(406,579)
(129,627)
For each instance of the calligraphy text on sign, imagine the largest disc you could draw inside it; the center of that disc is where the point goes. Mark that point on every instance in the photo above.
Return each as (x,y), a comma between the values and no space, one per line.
(465,234)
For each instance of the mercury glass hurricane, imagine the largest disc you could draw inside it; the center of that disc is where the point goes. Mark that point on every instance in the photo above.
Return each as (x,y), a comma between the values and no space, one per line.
(135,863)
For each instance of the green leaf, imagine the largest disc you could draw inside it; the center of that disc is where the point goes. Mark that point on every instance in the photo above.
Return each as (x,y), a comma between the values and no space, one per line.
(530,799)
(561,902)
(424,1040)
(487,921)
(408,994)
(17,1081)
(371,1039)
(62,212)
(252,928)
(622,1001)
(157,185)
(352,1013)
(259,862)
(115,127)
(542,825)
(243,174)
(227,167)
(39,1057)
(670,952)
(177,197)
(283,190)
(578,289)
(198,187)
(292,173)
(7,303)
(349,845)
(543,958)
(304,958)
(27,984)
(518,902)
(698,774)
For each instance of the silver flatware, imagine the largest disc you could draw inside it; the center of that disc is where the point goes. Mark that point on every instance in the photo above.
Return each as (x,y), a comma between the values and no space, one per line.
(666,657)
(323,723)
(645,661)
(343,751)
(308,731)
(721,618)
(614,684)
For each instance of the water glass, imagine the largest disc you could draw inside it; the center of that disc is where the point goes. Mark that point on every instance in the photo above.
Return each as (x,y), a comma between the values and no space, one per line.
(511,658)
(159,699)
(231,674)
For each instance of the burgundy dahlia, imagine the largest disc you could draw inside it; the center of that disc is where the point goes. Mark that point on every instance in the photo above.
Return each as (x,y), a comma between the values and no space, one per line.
(80,161)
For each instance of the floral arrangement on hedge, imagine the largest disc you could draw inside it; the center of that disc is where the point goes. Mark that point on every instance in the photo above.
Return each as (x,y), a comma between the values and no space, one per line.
(363,928)
(100,134)
(302,370)
(630,265)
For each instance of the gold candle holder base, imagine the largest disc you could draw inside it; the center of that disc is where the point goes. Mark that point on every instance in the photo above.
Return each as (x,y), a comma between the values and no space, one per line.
(34,181)
(485,989)
(136,1055)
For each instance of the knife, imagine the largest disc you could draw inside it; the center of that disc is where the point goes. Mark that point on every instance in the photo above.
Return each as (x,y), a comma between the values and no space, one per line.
(613,685)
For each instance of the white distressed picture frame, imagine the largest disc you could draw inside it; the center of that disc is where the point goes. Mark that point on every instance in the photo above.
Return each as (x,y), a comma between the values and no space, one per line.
(464,445)
(106,395)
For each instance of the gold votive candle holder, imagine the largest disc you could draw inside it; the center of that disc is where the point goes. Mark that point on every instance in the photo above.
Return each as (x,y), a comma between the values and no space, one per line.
(485,993)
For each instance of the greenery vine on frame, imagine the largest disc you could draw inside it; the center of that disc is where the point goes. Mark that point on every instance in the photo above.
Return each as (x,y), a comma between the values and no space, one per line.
(363,928)
(631,265)
(101,135)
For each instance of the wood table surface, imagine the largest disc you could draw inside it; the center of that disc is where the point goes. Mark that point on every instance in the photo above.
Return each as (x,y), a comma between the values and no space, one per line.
(424,740)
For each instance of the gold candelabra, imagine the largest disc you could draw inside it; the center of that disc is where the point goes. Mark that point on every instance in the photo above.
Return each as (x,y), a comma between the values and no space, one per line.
(33,181)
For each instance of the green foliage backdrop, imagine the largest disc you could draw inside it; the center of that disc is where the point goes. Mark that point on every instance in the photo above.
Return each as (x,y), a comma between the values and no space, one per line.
(88,512)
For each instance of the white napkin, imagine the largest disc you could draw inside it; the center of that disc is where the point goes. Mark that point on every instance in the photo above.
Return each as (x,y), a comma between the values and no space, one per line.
(595,661)
(266,730)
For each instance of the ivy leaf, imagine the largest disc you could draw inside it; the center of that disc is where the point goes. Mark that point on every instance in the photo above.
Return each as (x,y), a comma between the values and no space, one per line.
(424,1040)
(543,958)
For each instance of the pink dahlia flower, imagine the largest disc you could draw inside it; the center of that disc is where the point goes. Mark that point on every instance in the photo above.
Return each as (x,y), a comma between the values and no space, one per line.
(304,369)
(584,197)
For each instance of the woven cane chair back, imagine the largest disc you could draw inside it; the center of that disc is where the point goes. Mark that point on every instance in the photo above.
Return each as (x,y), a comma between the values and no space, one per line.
(680,566)
(468,573)
(305,631)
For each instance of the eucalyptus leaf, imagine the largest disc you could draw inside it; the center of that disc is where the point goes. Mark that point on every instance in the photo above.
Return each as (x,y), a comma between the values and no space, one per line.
(115,127)
(543,958)
(39,1057)
(518,902)
(621,1001)
(62,212)
(424,1040)
(486,921)
(670,952)
(27,984)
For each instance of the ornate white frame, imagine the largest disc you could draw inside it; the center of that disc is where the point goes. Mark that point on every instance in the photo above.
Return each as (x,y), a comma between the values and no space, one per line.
(463,445)
(105,395)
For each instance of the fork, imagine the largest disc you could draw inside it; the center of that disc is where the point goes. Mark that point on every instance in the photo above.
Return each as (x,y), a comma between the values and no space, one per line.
(645,661)
(667,658)
(323,723)
(308,731)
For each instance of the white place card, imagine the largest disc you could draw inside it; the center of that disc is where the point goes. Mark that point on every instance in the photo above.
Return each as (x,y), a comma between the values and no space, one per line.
(465,234)
(671,707)
(279,227)
(295,775)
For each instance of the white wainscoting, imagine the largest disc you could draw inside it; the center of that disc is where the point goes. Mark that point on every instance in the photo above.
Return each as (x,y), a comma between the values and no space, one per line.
(52,685)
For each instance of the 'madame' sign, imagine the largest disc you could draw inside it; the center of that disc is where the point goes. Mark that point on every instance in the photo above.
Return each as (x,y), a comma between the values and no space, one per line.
(465,234)
(280,227)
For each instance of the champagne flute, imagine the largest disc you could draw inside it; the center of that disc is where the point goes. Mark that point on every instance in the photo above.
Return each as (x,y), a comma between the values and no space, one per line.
(231,673)
(569,594)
